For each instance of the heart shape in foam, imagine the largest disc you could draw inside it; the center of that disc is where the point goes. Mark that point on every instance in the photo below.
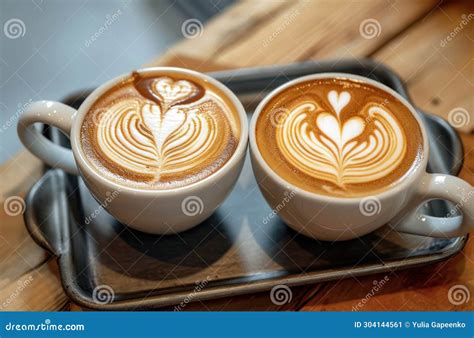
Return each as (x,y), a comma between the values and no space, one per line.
(340,135)
(172,92)
(331,149)
(162,125)
(338,100)
(159,136)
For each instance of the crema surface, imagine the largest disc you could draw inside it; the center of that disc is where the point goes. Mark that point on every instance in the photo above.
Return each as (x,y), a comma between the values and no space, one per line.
(160,132)
(339,137)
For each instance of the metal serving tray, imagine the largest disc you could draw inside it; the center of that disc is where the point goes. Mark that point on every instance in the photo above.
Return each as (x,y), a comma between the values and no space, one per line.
(106,265)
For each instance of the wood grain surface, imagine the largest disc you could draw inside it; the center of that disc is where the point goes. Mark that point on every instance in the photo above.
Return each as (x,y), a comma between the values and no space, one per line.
(430,44)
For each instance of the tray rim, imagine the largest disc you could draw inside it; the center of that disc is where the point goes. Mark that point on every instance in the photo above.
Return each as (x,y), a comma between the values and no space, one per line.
(79,296)
(74,291)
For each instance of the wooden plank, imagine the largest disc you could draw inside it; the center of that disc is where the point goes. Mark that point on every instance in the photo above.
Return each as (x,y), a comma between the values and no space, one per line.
(324,29)
(221,32)
(255,33)
(19,173)
(467,170)
(412,290)
(185,61)
(18,252)
(37,290)
(439,72)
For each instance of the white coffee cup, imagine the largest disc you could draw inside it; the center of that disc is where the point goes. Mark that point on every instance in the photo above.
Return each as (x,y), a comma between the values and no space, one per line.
(153,211)
(334,218)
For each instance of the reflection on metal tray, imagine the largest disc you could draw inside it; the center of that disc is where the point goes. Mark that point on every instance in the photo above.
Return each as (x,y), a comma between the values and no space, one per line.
(234,251)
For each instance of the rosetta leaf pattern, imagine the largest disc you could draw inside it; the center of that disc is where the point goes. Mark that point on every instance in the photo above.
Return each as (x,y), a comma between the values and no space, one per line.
(159,138)
(321,143)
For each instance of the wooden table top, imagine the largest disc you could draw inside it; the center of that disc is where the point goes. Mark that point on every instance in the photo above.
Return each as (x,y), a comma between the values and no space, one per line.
(429,44)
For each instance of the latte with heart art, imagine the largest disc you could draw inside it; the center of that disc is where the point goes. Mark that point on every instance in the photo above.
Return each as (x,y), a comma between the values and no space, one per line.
(338,137)
(160,132)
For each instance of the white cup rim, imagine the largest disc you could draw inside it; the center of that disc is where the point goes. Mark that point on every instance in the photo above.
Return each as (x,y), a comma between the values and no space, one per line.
(397,187)
(80,156)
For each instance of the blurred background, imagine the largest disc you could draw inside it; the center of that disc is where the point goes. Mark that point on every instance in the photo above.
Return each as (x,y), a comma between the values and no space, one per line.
(49,49)
(52,48)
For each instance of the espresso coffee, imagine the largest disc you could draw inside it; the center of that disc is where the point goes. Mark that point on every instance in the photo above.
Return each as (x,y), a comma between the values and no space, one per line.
(339,137)
(160,132)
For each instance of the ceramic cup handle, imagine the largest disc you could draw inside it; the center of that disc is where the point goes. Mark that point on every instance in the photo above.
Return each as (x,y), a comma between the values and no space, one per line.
(438,186)
(55,114)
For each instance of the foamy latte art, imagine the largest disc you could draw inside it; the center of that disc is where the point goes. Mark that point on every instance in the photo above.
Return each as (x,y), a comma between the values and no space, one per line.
(338,137)
(160,132)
